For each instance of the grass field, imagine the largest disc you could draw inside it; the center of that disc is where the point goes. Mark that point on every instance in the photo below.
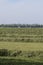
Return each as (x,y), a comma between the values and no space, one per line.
(24,46)
(21,34)
(23,59)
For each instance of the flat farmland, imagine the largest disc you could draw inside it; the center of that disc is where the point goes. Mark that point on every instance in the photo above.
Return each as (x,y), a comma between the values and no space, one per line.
(21,46)
(21,34)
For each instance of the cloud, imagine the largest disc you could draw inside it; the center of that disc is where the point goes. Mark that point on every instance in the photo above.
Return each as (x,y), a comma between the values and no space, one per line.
(21,11)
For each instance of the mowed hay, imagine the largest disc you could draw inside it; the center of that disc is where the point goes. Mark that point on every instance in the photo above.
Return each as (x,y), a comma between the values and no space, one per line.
(21,34)
(21,43)
(21,46)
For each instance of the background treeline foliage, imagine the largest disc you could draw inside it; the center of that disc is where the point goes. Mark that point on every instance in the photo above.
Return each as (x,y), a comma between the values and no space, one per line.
(22,25)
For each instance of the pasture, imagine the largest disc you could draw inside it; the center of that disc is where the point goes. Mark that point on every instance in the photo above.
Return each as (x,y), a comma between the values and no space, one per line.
(21,34)
(21,46)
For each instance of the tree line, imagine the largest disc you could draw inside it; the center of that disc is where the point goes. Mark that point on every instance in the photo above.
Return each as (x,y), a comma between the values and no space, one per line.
(22,25)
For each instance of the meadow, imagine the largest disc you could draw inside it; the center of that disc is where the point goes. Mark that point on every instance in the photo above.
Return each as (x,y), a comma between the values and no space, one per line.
(31,53)
(21,46)
(21,34)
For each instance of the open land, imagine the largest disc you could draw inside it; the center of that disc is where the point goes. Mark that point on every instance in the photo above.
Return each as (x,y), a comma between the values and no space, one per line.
(21,46)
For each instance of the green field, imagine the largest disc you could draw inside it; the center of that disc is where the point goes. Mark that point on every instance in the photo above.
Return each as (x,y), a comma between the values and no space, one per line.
(24,46)
(21,34)
(23,58)
(21,46)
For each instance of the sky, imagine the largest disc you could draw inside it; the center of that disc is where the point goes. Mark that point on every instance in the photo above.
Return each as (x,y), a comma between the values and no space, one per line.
(21,11)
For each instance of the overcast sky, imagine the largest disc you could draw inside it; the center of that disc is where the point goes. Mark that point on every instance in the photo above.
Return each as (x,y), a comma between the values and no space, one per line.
(21,11)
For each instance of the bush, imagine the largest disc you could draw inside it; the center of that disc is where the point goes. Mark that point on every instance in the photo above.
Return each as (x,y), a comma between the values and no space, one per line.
(4,52)
(16,53)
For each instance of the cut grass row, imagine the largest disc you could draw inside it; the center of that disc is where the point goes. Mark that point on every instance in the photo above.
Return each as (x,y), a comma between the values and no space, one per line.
(22,49)
(22,46)
(21,34)
(21,60)
(22,30)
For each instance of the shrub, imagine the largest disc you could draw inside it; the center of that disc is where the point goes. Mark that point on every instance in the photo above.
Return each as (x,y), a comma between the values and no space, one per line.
(16,53)
(4,52)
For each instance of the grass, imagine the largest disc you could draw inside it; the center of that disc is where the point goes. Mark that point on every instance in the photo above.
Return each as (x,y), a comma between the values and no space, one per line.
(21,60)
(24,46)
(21,34)
(18,62)
(28,40)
